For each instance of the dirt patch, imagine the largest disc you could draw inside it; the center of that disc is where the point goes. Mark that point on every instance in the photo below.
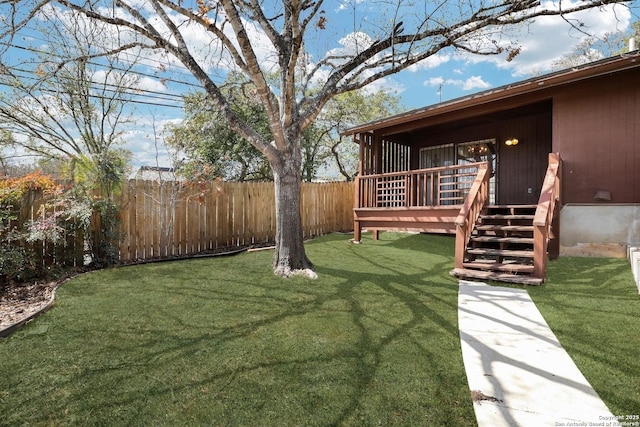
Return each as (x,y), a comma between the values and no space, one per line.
(478,396)
(19,301)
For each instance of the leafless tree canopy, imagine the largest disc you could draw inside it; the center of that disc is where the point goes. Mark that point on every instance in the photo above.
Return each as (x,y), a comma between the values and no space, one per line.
(300,40)
(234,32)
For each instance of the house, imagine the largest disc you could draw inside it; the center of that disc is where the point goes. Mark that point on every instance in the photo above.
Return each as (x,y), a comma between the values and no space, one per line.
(156,173)
(525,172)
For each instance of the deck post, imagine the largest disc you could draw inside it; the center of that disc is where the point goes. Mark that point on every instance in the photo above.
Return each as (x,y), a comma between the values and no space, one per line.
(377,153)
(546,214)
(461,245)
(357,231)
(554,244)
(539,252)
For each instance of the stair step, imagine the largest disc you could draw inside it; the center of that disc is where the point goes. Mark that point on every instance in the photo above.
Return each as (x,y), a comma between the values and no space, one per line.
(494,239)
(496,227)
(506,217)
(496,266)
(496,277)
(500,252)
(511,206)
(495,263)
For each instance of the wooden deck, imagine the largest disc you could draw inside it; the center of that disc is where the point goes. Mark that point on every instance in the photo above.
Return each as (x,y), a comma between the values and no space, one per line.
(503,243)
(424,200)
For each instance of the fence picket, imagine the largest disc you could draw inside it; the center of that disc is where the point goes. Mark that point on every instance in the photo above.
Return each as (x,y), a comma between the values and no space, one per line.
(164,219)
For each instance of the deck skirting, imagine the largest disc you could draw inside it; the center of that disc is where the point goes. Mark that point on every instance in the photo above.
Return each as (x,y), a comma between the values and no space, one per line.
(437,219)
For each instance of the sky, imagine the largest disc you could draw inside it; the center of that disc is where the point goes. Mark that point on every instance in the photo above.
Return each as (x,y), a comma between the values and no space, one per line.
(440,78)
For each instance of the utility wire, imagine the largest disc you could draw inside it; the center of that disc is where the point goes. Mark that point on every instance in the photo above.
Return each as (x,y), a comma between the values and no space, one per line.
(137,72)
(102,86)
(133,101)
(134,92)
(151,63)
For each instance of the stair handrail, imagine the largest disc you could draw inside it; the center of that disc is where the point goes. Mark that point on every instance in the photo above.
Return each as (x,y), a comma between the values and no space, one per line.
(476,200)
(550,199)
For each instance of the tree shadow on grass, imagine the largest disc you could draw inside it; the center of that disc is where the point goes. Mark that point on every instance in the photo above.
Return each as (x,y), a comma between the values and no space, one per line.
(592,305)
(372,341)
(429,301)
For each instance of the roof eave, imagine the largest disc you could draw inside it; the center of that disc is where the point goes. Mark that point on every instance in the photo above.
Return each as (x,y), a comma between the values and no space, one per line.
(571,75)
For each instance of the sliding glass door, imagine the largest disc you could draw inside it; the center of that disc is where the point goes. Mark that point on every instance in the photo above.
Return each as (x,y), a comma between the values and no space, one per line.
(460,154)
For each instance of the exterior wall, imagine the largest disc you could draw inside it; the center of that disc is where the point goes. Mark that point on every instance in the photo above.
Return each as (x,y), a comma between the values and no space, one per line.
(520,168)
(599,230)
(594,124)
(596,129)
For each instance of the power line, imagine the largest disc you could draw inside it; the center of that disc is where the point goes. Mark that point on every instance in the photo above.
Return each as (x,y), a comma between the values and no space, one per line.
(155,104)
(103,86)
(139,92)
(137,72)
(34,33)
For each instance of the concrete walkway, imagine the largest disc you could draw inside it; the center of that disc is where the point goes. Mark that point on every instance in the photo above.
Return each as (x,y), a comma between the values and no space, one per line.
(518,373)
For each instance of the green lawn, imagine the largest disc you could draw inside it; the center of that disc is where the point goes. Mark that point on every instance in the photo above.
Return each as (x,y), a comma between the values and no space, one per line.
(221,341)
(593,307)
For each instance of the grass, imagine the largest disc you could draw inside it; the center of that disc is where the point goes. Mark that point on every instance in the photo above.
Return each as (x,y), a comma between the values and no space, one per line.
(221,341)
(593,307)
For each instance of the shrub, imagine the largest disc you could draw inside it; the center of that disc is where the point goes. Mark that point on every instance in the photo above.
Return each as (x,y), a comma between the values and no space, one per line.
(18,261)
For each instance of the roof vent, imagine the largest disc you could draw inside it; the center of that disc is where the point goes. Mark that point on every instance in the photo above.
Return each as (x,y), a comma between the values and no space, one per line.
(632,44)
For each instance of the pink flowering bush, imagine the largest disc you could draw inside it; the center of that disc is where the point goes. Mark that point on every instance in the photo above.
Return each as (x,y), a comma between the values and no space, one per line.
(17,261)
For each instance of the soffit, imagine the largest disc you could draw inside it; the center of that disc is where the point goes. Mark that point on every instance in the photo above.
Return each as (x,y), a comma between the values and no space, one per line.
(499,100)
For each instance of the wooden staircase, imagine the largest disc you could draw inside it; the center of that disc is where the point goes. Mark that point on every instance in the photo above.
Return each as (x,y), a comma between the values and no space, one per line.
(501,246)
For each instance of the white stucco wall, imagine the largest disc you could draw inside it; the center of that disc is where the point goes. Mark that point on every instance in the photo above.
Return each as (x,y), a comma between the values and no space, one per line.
(599,229)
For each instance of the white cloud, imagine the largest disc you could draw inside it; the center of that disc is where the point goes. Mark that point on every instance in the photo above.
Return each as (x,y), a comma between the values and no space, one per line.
(150,84)
(433,61)
(548,38)
(436,81)
(344,5)
(473,82)
(351,45)
(149,149)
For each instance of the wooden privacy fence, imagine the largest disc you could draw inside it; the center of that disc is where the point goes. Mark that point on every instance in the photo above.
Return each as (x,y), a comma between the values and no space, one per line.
(42,254)
(168,219)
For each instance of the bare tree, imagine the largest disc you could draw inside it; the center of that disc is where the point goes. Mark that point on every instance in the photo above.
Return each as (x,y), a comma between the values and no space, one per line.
(594,48)
(65,102)
(258,38)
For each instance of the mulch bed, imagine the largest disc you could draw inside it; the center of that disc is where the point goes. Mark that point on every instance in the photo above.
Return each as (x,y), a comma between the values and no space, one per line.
(22,300)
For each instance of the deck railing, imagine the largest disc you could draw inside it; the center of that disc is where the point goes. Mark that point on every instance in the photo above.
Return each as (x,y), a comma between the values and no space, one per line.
(476,200)
(548,204)
(442,186)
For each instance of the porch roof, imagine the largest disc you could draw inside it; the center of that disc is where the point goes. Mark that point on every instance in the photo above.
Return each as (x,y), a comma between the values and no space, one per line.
(414,119)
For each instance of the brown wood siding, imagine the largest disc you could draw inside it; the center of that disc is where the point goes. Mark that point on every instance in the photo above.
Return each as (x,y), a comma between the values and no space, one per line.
(519,167)
(596,129)
(595,126)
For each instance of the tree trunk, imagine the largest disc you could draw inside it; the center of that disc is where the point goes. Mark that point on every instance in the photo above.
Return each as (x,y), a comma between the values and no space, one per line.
(290,257)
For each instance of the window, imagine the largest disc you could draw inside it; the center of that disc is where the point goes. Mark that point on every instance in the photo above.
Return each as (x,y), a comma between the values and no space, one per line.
(460,154)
